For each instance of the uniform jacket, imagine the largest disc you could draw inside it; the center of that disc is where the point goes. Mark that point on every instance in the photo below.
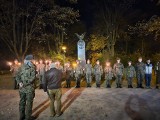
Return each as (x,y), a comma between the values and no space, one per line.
(130,71)
(78,70)
(118,69)
(69,72)
(52,79)
(26,75)
(108,72)
(140,68)
(98,69)
(88,69)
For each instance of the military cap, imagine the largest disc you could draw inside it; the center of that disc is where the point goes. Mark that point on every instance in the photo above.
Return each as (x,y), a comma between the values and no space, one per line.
(29,57)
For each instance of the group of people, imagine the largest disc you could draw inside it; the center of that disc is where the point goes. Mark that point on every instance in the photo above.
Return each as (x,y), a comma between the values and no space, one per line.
(50,76)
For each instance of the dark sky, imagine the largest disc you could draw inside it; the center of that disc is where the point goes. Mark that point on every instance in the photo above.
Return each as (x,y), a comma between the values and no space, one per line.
(144,9)
(141,9)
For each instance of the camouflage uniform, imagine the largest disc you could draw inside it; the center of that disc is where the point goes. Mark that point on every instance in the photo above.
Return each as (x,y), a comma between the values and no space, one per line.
(88,72)
(14,70)
(26,76)
(118,72)
(130,74)
(157,71)
(140,73)
(41,71)
(108,75)
(69,74)
(98,71)
(78,73)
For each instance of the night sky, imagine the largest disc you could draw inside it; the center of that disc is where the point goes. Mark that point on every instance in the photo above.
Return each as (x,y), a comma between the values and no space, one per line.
(141,9)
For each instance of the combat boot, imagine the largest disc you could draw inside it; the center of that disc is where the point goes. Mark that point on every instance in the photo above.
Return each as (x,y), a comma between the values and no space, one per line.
(128,86)
(141,86)
(120,86)
(131,86)
(117,86)
(138,86)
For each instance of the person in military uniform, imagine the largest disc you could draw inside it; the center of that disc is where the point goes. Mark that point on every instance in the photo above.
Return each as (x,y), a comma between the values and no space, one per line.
(140,72)
(41,71)
(108,74)
(118,69)
(98,71)
(25,78)
(14,70)
(157,72)
(148,73)
(69,73)
(130,74)
(88,71)
(78,71)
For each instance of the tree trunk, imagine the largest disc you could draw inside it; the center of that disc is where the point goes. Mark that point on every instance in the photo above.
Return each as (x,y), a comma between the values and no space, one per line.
(112,51)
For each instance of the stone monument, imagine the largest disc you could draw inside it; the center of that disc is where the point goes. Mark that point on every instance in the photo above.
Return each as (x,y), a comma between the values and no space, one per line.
(81,49)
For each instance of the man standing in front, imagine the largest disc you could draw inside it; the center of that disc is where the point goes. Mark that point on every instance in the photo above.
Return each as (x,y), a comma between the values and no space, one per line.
(118,69)
(52,82)
(25,78)
(140,72)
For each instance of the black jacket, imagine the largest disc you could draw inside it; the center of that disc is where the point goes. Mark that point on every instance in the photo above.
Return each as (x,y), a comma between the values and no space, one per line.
(52,79)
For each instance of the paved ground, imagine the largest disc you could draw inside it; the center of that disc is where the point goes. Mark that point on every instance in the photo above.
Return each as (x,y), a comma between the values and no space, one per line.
(89,104)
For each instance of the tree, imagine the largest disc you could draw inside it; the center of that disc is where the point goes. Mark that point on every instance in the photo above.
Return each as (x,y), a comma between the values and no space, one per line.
(111,21)
(18,22)
(55,23)
(28,21)
(146,28)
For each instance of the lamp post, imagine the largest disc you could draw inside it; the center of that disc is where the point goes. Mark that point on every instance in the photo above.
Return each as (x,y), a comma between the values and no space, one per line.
(64,51)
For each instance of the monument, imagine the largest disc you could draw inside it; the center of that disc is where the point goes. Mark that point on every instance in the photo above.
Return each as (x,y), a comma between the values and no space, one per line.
(81,49)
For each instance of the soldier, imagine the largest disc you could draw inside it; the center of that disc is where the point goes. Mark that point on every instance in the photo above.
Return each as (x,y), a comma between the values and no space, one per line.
(41,71)
(157,72)
(69,74)
(118,69)
(98,71)
(148,73)
(25,78)
(78,73)
(88,72)
(140,72)
(130,74)
(108,74)
(14,70)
